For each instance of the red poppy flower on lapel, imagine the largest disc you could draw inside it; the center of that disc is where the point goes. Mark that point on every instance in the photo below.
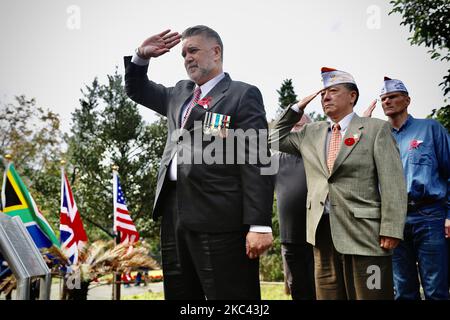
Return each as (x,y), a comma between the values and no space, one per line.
(205,102)
(349,141)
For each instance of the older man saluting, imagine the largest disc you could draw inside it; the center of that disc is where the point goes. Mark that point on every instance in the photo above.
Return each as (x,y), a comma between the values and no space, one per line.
(356,203)
(216,217)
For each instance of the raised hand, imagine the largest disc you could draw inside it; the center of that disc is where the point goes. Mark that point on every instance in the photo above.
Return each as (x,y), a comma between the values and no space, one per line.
(306,100)
(159,44)
(369,110)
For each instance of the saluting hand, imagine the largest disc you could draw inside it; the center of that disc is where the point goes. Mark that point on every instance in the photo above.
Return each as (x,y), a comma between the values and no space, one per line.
(306,100)
(369,110)
(159,44)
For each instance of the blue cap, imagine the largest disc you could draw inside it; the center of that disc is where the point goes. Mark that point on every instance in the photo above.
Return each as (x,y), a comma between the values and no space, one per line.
(392,85)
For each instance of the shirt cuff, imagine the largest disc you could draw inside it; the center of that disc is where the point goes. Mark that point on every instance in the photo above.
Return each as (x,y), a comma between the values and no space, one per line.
(139,61)
(294,107)
(260,229)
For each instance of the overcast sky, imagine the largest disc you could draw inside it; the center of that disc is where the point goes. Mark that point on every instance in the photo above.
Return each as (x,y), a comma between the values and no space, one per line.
(50,49)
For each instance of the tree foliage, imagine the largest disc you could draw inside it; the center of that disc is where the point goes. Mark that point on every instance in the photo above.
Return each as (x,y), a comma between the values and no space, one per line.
(286,95)
(108,129)
(32,135)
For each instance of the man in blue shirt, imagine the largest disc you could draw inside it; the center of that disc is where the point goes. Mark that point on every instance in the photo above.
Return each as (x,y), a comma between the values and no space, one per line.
(425,151)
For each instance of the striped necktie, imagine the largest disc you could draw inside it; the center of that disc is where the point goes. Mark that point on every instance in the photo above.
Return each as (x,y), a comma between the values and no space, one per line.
(192,104)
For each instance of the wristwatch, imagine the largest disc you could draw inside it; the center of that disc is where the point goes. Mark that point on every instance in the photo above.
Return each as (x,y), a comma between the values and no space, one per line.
(138,53)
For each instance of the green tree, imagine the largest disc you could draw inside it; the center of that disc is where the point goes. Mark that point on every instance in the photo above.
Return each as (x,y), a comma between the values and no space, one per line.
(108,129)
(429,23)
(442,115)
(32,135)
(286,94)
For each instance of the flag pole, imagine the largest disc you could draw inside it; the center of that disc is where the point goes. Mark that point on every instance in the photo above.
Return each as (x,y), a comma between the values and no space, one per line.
(117,275)
(6,162)
(7,159)
(63,291)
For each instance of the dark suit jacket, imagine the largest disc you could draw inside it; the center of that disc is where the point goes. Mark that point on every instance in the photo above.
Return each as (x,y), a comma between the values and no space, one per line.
(290,187)
(216,197)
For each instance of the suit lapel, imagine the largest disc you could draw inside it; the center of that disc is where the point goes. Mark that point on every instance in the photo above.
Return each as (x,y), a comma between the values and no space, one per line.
(353,129)
(218,92)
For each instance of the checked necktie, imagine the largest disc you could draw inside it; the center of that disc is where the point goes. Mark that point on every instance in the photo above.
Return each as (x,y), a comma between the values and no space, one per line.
(192,104)
(334,146)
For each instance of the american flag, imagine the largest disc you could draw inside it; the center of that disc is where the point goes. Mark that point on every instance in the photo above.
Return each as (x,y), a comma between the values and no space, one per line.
(72,234)
(122,219)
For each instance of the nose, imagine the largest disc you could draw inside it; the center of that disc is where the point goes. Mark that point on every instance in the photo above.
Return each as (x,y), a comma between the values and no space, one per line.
(326,96)
(188,59)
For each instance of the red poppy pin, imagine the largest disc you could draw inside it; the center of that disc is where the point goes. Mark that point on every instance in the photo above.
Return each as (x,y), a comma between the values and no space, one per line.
(351,141)
(205,102)
(414,144)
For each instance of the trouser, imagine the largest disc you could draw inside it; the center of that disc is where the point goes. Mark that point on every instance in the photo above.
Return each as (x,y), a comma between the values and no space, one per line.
(298,264)
(349,277)
(202,265)
(422,253)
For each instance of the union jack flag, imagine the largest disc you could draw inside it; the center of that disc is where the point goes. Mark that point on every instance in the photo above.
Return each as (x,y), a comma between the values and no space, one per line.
(122,219)
(72,234)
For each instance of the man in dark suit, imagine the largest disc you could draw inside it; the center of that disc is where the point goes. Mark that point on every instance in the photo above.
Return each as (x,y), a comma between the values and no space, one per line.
(297,253)
(216,215)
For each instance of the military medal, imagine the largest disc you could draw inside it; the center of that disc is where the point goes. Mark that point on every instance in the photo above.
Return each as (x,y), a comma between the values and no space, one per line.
(207,123)
(216,124)
(223,133)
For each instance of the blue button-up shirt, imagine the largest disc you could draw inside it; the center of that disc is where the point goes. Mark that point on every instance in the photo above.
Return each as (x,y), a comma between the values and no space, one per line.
(425,151)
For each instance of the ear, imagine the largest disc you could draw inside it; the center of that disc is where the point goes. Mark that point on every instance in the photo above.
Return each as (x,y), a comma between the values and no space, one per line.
(217,52)
(353,95)
(408,101)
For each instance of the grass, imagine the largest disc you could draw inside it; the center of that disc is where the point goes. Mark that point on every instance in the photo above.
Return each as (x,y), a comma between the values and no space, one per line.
(269,291)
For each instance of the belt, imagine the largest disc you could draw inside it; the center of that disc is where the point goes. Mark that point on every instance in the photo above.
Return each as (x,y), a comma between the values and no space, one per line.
(414,205)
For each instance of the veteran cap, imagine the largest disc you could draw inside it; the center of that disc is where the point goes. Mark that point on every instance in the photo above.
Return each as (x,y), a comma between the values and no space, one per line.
(392,85)
(331,77)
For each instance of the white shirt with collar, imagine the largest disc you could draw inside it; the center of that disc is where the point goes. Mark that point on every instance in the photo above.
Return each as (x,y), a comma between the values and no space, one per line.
(205,89)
